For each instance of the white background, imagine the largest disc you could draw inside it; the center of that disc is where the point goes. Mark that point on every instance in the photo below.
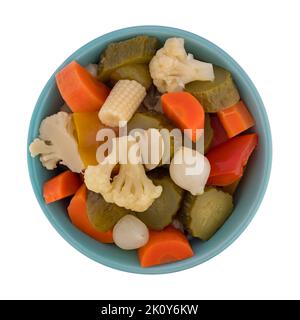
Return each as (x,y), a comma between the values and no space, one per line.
(36,36)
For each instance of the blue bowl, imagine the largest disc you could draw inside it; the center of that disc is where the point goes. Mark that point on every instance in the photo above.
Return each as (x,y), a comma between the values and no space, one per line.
(250,192)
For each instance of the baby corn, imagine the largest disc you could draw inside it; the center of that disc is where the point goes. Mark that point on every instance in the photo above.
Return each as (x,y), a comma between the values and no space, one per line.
(122,102)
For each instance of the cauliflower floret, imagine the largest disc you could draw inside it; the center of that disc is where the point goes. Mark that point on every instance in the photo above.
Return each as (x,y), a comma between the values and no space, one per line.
(131,188)
(56,143)
(171,67)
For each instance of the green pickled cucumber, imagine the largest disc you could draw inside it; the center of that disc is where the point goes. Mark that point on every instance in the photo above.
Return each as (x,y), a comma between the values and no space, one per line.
(103,215)
(139,49)
(215,95)
(203,215)
(208,133)
(149,119)
(164,208)
(138,72)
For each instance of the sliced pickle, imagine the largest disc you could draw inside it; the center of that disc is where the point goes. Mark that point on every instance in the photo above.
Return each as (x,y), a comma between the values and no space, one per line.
(103,215)
(203,215)
(164,208)
(139,49)
(149,119)
(138,72)
(215,95)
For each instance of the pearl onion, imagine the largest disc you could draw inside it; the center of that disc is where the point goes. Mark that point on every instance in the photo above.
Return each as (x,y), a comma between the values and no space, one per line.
(189,169)
(130,233)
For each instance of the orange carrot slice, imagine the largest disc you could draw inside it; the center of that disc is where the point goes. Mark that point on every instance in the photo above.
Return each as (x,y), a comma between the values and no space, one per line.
(61,186)
(236,119)
(164,246)
(77,211)
(81,91)
(185,111)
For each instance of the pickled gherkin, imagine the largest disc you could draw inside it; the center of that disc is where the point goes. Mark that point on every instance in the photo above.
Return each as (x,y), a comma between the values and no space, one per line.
(215,95)
(139,49)
(164,208)
(138,72)
(208,133)
(203,215)
(149,119)
(103,215)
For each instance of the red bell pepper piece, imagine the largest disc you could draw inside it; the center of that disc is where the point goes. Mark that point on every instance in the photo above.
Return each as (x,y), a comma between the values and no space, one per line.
(220,134)
(228,160)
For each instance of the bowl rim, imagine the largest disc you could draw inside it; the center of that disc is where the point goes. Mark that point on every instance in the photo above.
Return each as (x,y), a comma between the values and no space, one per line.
(184,264)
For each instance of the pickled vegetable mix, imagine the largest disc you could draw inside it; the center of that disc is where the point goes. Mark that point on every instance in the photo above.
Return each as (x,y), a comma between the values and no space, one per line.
(151,145)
